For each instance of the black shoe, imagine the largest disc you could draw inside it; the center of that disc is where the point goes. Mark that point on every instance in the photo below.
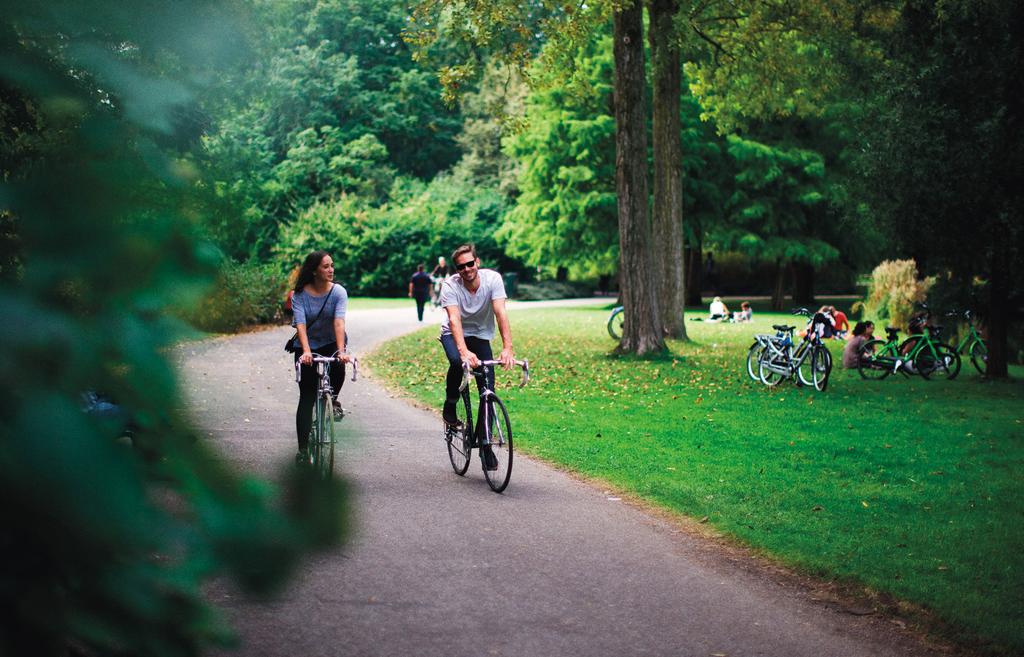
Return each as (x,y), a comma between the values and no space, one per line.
(302,458)
(451,420)
(339,412)
(490,460)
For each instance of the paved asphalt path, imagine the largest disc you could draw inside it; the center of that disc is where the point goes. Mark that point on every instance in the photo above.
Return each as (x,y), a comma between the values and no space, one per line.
(440,565)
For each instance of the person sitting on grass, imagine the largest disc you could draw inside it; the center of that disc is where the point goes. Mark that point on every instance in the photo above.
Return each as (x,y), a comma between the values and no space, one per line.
(842,323)
(745,314)
(718,310)
(862,332)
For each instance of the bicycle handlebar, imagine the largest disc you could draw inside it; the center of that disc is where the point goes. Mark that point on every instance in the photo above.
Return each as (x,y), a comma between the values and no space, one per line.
(317,358)
(467,371)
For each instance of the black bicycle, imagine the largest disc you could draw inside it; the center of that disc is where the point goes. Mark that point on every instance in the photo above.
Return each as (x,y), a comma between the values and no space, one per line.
(495,444)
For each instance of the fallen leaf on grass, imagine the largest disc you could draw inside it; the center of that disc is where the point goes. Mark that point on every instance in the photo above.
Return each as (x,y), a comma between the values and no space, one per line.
(864,503)
(818,507)
(703,520)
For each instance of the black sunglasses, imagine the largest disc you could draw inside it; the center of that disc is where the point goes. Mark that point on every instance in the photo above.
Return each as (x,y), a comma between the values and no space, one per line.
(465,265)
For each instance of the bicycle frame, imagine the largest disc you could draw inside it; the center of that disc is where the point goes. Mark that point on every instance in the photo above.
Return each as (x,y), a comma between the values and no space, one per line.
(970,340)
(780,349)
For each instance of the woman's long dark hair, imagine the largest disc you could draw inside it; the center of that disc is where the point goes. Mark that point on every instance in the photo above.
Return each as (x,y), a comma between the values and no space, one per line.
(309,266)
(861,327)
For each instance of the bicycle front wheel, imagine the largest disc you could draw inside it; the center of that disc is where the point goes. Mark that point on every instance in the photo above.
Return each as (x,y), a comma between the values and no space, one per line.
(805,371)
(321,441)
(616,322)
(871,364)
(821,368)
(497,471)
(458,439)
(979,357)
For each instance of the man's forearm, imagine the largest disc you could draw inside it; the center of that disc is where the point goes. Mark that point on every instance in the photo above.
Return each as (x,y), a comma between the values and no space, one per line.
(455,326)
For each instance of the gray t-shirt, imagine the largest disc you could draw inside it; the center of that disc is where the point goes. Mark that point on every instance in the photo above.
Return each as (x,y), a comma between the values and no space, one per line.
(476,309)
(306,306)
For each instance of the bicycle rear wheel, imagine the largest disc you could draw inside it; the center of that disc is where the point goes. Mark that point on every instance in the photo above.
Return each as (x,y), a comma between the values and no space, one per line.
(979,357)
(767,376)
(458,440)
(499,444)
(321,440)
(616,322)
(753,357)
(871,364)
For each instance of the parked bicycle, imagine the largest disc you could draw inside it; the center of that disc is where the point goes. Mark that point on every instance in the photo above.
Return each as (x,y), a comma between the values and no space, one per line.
(921,353)
(972,343)
(495,444)
(616,321)
(323,433)
(758,347)
(809,363)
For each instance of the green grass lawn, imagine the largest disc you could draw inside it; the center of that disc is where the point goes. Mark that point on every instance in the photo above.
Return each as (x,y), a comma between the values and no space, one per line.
(375,303)
(910,487)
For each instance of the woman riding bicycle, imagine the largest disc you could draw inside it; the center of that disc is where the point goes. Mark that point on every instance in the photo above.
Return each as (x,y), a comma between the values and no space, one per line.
(319,306)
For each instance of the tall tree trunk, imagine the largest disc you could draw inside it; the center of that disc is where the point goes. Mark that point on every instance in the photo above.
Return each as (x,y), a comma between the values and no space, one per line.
(692,254)
(667,213)
(998,317)
(803,284)
(642,330)
(779,288)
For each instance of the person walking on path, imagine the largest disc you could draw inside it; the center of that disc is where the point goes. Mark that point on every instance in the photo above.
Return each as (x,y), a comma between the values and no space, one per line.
(472,301)
(419,289)
(319,306)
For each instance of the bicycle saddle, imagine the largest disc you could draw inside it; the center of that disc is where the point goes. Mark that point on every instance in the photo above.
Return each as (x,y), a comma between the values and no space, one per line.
(780,327)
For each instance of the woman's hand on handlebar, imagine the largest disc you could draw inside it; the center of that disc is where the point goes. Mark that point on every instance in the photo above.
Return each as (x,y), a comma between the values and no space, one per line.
(306,358)
(344,358)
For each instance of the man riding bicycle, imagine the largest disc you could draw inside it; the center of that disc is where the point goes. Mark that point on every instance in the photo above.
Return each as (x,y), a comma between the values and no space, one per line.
(472,301)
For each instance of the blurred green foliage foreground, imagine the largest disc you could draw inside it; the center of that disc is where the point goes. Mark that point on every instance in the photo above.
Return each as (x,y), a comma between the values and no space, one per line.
(105,545)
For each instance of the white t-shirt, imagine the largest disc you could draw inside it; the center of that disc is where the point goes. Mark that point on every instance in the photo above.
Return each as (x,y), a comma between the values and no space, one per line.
(475,308)
(717,308)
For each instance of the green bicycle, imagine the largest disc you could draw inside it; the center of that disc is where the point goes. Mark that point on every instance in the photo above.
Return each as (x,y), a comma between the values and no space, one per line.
(972,343)
(921,353)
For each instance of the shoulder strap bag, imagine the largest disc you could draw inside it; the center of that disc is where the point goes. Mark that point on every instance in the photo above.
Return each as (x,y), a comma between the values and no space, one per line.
(291,346)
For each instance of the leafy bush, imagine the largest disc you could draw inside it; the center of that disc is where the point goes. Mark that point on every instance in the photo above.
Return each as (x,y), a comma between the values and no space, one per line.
(243,294)
(545,290)
(893,291)
(106,548)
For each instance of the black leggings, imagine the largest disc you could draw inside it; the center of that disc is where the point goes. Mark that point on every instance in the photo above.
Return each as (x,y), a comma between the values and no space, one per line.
(307,391)
(482,349)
